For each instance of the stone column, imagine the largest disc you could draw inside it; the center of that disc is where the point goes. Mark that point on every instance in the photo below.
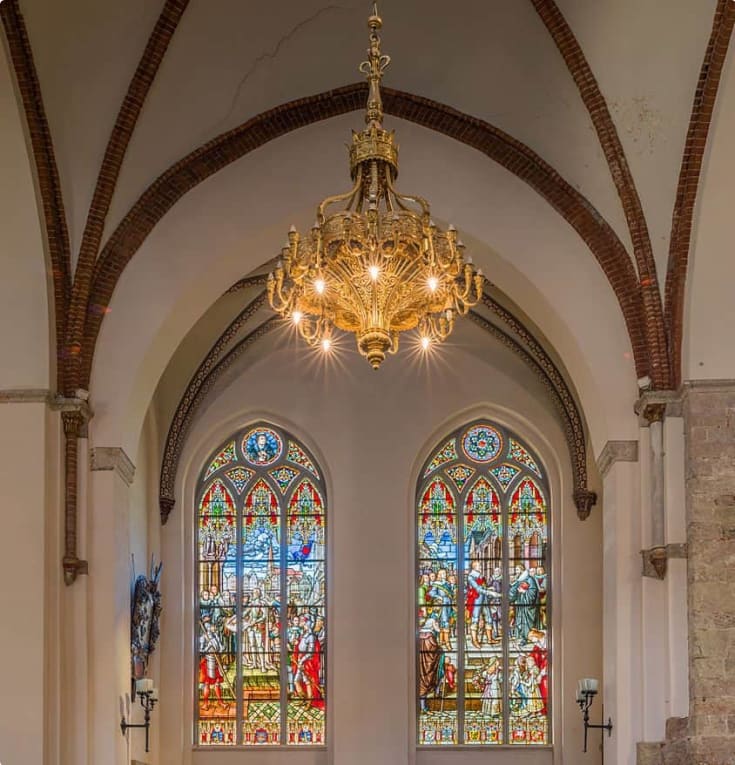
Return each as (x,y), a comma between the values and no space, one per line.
(109,604)
(709,416)
(622,669)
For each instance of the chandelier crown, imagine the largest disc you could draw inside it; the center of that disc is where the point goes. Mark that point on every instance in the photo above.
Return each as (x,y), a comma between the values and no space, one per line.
(379,266)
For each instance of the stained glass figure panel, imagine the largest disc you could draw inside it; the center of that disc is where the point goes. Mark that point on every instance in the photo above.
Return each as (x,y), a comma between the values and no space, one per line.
(481,662)
(253,648)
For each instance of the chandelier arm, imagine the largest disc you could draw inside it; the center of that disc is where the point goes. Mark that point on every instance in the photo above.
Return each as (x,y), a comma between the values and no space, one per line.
(420,201)
(338,198)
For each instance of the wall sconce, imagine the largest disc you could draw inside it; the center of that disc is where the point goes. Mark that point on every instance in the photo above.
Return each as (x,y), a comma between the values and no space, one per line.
(148,696)
(586,692)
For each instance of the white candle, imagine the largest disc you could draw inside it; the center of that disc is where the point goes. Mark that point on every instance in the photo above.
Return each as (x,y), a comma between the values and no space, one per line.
(154,694)
(144,685)
(589,684)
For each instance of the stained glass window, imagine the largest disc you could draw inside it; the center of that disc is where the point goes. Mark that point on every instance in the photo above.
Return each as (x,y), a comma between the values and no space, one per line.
(261,595)
(482,620)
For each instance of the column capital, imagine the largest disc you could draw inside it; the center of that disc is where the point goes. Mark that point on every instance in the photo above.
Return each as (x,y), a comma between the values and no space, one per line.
(616,451)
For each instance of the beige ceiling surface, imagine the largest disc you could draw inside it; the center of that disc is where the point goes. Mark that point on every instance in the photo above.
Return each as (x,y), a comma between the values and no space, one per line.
(230,60)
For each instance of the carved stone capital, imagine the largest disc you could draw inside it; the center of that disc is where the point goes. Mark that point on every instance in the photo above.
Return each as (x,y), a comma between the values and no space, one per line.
(113,458)
(583,501)
(654,562)
(654,405)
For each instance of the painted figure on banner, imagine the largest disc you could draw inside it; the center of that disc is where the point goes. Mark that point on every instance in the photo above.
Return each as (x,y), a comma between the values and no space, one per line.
(479,599)
(489,679)
(262,447)
(539,654)
(523,595)
(442,595)
(308,664)
(211,674)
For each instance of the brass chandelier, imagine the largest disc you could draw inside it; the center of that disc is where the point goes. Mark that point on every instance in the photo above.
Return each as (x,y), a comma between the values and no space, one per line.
(379,266)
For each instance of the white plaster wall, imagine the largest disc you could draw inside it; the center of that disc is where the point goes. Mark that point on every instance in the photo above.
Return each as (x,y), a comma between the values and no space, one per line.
(23,715)
(371,432)
(708,351)
(24,310)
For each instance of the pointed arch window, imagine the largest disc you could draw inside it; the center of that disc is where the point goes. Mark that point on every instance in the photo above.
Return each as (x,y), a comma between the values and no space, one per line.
(482,622)
(261,594)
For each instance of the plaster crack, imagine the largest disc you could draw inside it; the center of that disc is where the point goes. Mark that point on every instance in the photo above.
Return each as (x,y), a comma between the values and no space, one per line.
(272,54)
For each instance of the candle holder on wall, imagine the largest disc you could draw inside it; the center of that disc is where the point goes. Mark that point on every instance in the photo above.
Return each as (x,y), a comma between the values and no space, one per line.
(148,696)
(586,692)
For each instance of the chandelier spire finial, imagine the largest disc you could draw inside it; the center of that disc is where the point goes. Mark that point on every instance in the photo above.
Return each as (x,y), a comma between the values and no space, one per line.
(373,70)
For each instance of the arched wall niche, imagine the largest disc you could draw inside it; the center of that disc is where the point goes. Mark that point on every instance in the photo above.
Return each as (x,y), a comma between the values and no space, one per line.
(371,447)
(213,231)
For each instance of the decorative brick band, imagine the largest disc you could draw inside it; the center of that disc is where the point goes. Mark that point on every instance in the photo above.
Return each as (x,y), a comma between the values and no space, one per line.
(617,162)
(47,174)
(691,167)
(117,145)
(515,156)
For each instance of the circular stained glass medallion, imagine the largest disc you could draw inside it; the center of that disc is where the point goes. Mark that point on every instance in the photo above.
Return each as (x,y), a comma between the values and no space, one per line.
(262,446)
(482,443)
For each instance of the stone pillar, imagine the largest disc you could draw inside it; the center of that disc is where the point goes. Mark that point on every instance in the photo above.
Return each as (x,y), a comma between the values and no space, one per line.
(622,669)
(109,604)
(709,417)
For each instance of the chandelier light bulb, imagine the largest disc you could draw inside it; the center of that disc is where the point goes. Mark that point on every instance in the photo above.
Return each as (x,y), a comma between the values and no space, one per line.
(390,268)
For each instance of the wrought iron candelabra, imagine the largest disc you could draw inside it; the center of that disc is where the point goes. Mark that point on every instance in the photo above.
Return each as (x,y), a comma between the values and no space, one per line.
(148,696)
(586,692)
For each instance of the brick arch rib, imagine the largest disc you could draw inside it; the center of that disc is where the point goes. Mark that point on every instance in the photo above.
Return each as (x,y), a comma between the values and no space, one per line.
(691,167)
(57,235)
(513,155)
(117,145)
(622,177)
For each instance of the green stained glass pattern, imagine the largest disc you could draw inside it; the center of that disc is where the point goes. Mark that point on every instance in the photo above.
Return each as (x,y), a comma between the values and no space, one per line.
(225,457)
(504,474)
(519,454)
(240,477)
(447,453)
(460,474)
(283,476)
